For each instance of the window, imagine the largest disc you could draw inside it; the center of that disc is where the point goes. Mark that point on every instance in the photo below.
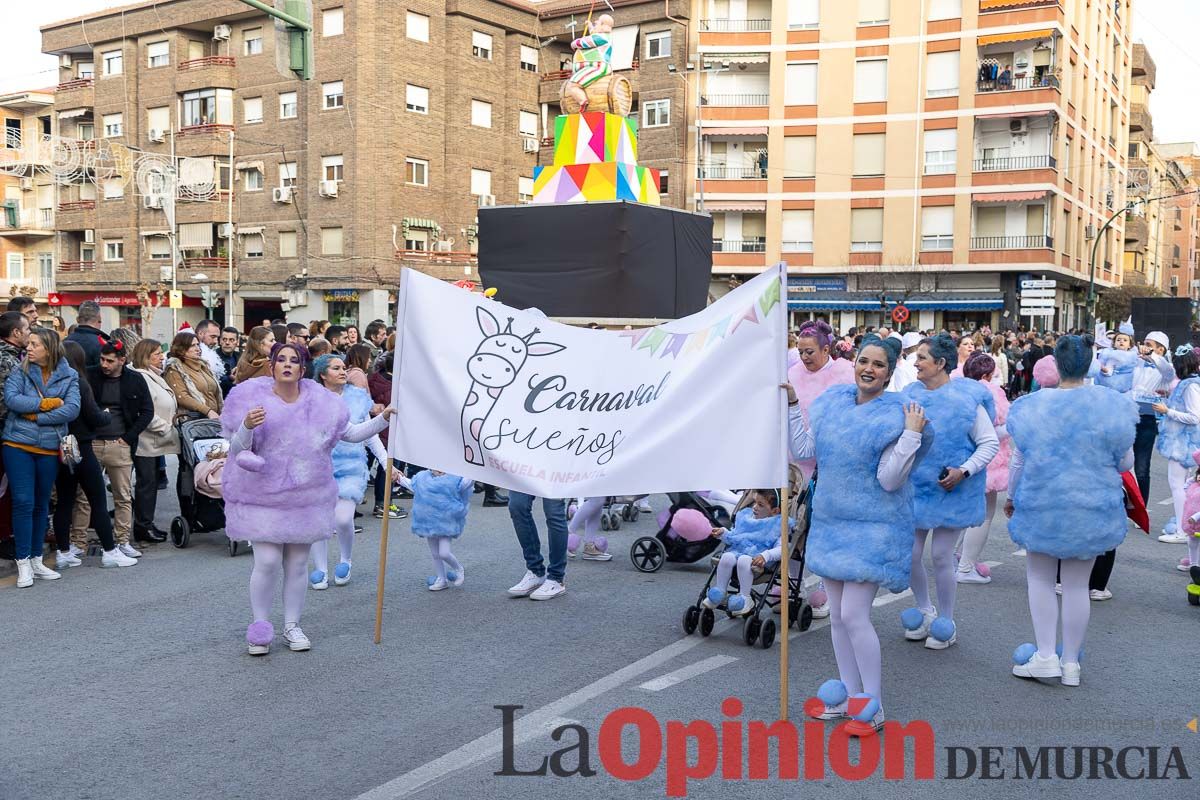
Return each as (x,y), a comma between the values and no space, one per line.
(804,14)
(416,172)
(158,119)
(529,58)
(287,105)
(481,182)
(941,151)
(800,85)
(86,132)
(481,114)
(944,9)
(664,181)
(112,61)
(481,45)
(287,174)
(331,241)
(333,22)
(86,70)
(873,12)
(254,180)
(287,244)
(937,228)
(251,41)
(333,95)
(331,168)
(797,231)
(1134,150)
(87,253)
(114,189)
(658,44)
(114,251)
(159,247)
(869,154)
(866,230)
(799,156)
(527,124)
(252,109)
(207,107)
(252,243)
(524,190)
(656,113)
(416,98)
(112,125)
(416,26)
(941,70)
(158,54)
(416,240)
(870,81)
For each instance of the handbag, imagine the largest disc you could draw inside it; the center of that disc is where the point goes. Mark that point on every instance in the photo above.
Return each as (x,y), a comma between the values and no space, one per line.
(68,445)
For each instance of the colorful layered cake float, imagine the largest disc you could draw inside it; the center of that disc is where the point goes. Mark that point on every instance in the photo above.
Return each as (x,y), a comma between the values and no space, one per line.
(595,158)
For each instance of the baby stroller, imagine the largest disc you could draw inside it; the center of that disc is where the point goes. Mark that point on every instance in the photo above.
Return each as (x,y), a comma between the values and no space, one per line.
(759,625)
(616,510)
(649,553)
(198,513)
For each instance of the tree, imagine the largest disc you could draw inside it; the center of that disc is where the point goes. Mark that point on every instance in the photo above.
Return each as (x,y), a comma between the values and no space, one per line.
(1116,304)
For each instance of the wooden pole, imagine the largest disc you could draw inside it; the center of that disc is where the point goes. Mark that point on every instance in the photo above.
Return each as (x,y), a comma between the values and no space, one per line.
(784,599)
(383,543)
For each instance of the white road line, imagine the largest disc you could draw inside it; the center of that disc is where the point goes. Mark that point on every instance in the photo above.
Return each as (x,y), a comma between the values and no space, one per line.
(690,671)
(884,599)
(530,726)
(1166,502)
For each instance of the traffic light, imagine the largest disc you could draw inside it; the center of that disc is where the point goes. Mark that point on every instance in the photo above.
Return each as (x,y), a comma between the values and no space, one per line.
(293,35)
(210,297)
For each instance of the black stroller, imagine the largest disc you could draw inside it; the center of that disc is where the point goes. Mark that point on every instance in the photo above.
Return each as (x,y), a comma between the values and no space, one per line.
(759,626)
(198,513)
(649,553)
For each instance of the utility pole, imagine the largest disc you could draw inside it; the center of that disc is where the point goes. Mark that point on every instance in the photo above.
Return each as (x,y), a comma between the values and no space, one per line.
(1091,299)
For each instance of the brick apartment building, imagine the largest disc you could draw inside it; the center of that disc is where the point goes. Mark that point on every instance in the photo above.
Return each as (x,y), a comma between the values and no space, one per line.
(27,196)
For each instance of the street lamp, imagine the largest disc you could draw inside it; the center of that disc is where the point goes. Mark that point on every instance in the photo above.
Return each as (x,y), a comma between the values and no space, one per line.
(691,68)
(1091,298)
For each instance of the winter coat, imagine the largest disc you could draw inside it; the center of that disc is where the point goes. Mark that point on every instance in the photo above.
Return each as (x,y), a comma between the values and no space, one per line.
(440,504)
(350,458)
(380,385)
(859,532)
(1122,363)
(1068,501)
(752,536)
(10,359)
(254,368)
(23,393)
(89,339)
(809,385)
(91,416)
(1177,441)
(950,410)
(160,437)
(137,408)
(196,389)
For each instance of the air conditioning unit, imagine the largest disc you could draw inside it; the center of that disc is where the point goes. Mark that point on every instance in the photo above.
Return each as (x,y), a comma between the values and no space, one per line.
(1196,284)
(443,246)
(328,189)
(282,194)
(221,33)
(89,236)
(64,60)
(529,144)
(26,184)
(1020,125)
(487,200)
(157,136)
(1089,231)
(225,230)
(152,201)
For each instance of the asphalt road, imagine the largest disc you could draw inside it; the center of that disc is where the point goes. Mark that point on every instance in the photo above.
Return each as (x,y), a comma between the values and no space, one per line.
(135,683)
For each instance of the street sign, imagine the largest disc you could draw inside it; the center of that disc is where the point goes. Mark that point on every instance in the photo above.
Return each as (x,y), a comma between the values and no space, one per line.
(1040,284)
(176,299)
(1027,293)
(1037,301)
(900,314)
(1037,312)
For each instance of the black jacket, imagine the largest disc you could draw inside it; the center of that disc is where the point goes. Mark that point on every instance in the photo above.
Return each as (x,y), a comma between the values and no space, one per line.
(137,408)
(89,339)
(230,361)
(91,415)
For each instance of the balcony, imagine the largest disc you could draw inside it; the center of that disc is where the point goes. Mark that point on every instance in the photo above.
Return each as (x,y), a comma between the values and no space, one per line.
(1012,242)
(1140,121)
(1020,162)
(80,93)
(41,285)
(735,25)
(1012,5)
(77,205)
(756,245)
(797,247)
(736,100)
(204,73)
(31,223)
(204,262)
(1017,84)
(76,266)
(723,172)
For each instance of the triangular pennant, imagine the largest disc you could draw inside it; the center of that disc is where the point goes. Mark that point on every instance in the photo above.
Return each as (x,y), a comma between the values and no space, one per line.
(675,346)
(769,298)
(696,342)
(634,336)
(653,341)
(718,331)
(750,315)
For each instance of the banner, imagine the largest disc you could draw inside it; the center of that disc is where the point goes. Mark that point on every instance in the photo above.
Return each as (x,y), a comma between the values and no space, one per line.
(510,398)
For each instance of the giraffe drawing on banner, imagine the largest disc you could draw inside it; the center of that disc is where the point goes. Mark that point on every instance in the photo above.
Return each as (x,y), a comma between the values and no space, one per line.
(493,366)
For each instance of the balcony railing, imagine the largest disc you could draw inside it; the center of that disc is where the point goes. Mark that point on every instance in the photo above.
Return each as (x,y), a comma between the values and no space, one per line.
(77,205)
(728,173)
(76,266)
(797,247)
(207,61)
(1011,242)
(79,83)
(1014,84)
(1017,162)
(563,74)
(204,127)
(205,262)
(739,245)
(736,99)
(27,219)
(735,25)
(438,257)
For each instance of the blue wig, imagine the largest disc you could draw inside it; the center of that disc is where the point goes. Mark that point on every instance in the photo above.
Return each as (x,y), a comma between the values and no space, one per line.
(890,347)
(1073,356)
(944,347)
(322,362)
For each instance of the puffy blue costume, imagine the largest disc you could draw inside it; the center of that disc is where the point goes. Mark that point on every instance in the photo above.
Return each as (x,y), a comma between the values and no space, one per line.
(951,413)
(1177,441)
(440,504)
(750,535)
(350,459)
(859,532)
(1069,501)
(1123,363)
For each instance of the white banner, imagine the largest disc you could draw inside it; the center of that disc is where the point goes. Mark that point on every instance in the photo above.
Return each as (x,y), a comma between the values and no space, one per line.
(513,399)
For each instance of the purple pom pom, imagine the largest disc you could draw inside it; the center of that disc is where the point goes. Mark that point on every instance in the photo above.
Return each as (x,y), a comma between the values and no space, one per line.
(601,543)
(249,461)
(983,569)
(572,542)
(260,632)
(818,598)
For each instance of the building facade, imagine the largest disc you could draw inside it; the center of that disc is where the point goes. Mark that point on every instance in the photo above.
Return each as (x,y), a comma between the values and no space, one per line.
(943,149)
(27,196)
(1183,277)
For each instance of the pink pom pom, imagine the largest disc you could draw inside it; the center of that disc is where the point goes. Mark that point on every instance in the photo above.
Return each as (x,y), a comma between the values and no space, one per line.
(260,632)
(691,525)
(572,542)
(818,598)
(1196,457)
(983,569)
(601,543)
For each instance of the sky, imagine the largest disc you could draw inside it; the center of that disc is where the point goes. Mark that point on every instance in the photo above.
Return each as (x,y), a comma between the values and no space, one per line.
(1168,28)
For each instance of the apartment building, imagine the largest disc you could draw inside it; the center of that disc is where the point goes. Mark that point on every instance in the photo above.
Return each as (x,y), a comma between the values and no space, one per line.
(27,196)
(943,149)
(1183,275)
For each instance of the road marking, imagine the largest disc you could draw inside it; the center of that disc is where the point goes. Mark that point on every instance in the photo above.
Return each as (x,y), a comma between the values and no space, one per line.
(884,599)
(1166,502)
(530,726)
(690,671)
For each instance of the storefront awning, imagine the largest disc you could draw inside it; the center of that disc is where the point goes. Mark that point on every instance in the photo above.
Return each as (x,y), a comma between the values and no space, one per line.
(870,301)
(735,58)
(74,112)
(1008,197)
(1020,36)
(736,205)
(247,230)
(422,223)
(245,165)
(733,131)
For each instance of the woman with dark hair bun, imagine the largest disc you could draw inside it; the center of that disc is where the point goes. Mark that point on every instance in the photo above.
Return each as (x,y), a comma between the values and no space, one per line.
(1179,436)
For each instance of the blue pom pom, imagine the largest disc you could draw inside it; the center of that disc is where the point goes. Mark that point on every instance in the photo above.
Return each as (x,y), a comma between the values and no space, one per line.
(1171,527)
(942,629)
(316,576)
(341,570)
(912,618)
(737,603)
(1024,653)
(431,580)
(832,693)
(868,712)
(715,596)
(451,575)
(1058,650)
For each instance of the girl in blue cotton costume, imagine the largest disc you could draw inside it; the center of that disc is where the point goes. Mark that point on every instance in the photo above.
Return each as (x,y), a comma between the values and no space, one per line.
(1179,436)
(1067,503)
(866,441)
(1117,363)
(439,514)
(949,484)
(755,535)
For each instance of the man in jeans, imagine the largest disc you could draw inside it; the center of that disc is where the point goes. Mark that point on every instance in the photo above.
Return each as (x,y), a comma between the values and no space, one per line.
(124,394)
(540,583)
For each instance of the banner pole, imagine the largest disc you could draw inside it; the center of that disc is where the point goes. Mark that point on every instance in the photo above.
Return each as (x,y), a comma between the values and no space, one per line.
(383,546)
(397,368)
(785,518)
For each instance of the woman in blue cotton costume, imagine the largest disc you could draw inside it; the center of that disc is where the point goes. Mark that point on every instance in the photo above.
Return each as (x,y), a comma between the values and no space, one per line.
(949,483)
(1179,436)
(865,441)
(1067,503)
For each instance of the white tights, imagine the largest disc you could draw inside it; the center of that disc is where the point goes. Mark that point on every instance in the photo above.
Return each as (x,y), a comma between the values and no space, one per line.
(270,560)
(975,538)
(1043,604)
(744,572)
(942,552)
(343,524)
(855,643)
(587,516)
(1177,479)
(443,559)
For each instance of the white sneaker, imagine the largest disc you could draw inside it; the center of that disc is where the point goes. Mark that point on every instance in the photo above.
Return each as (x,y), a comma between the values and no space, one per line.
(24,573)
(75,551)
(115,558)
(1070,674)
(1184,565)
(459,578)
(868,728)
(65,560)
(971,575)
(438,584)
(295,638)
(527,585)
(592,553)
(1020,553)
(1100,594)
(1174,538)
(129,550)
(821,611)
(41,571)
(644,507)
(922,633)
(548,590)
(937,644)
(1039,667)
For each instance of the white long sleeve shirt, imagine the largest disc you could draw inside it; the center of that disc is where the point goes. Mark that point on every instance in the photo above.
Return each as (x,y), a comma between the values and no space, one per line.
(904,373)
(987,443)
(1191,404)
(355,433)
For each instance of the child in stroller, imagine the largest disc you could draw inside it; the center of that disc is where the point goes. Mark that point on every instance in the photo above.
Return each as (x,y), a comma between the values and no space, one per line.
(755,535)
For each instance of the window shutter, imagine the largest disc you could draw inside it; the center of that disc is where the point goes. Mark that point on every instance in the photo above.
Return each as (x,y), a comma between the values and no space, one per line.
(937,220)
(942,71)
(797,226)
(869,149)
(800,88)
(866,224)
(870,11)
(799,156)
(870,81)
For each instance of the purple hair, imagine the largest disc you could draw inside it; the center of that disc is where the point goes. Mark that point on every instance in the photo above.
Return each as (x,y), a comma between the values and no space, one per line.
(300,349)
(816,329)
(979,364)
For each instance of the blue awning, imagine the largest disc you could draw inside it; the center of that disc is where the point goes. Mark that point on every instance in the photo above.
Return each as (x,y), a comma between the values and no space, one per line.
(870,301)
